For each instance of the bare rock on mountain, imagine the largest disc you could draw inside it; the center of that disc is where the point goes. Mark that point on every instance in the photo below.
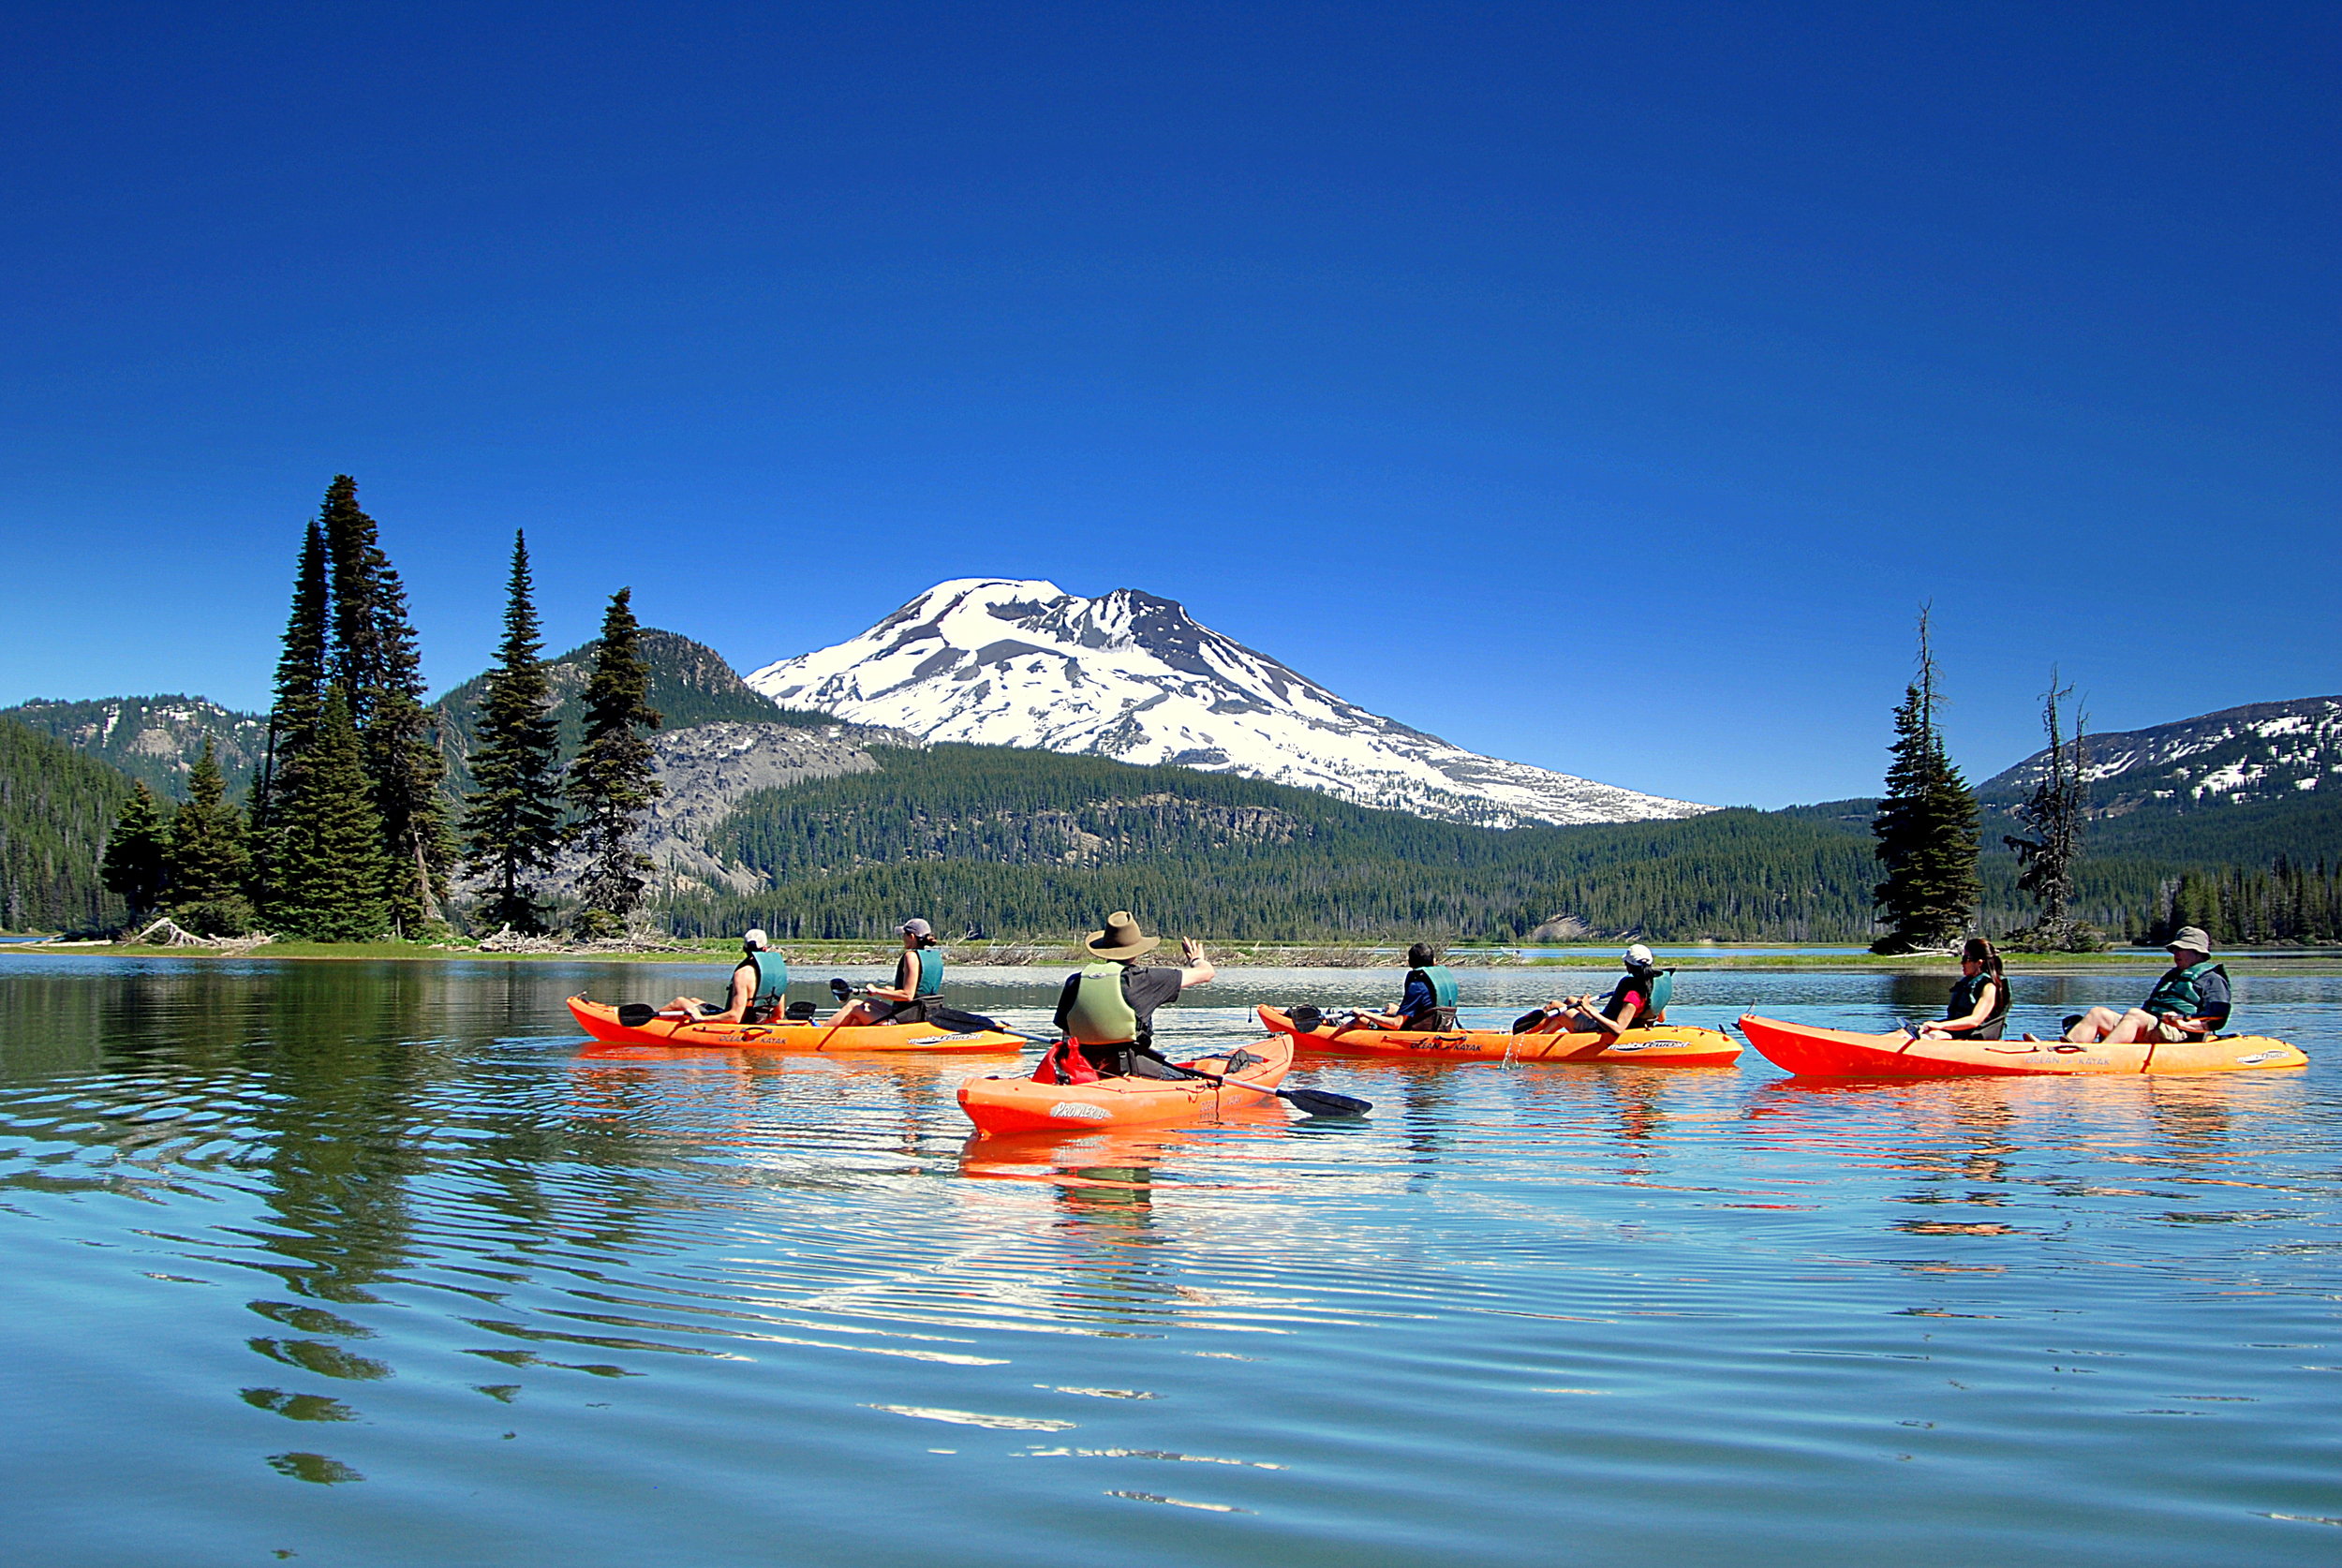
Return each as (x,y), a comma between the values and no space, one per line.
(707,768)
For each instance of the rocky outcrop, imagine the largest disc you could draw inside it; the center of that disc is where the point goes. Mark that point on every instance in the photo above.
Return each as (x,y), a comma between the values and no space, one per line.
(707,768)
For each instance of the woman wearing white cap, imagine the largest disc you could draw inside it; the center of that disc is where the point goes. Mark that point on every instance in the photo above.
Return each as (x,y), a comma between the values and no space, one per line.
(760,987)
(918,982)
(1640,996)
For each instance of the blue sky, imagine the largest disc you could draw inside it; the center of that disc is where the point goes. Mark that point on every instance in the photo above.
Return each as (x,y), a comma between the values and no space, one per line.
(1600,385)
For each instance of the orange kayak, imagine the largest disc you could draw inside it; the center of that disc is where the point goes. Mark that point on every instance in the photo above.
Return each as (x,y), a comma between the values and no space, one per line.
(1819,1053)
(600,1020)
(1661,1045)
(1018,1104)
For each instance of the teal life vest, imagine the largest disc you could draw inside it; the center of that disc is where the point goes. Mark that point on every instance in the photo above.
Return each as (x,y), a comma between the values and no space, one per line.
(931,978)
(772,985)
(2176,994)
(1657,985)
(1102,1014)
(1443,984)
(1963,999)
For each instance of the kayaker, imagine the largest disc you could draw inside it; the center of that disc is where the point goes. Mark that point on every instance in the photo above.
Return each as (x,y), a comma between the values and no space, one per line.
(2190,1002)
(918,984)
(1639,998)
(1428,1003)
(760,987)
(1978,1008)
(1106,1011)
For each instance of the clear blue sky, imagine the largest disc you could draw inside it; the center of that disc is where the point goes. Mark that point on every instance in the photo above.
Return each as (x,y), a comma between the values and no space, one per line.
(1600,385)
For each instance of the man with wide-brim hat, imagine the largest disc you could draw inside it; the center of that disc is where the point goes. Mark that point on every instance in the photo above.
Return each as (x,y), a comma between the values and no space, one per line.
(1106,1011)
(2190,1002)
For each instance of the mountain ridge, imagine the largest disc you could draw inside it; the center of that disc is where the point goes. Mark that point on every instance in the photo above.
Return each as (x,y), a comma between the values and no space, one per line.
(1132,676)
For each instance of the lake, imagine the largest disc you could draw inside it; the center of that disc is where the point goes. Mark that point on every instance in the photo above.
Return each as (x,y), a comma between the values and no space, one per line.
(364,1263)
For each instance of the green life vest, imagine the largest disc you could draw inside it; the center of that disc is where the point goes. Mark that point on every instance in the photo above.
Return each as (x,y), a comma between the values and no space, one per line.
(1657,985)
(1102,1014)
(2176,995)
(1965,995)
(772,980)
(1443,984)
(931,981)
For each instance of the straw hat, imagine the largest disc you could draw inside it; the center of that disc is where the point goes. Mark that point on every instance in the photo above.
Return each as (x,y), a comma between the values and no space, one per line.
(1121,938)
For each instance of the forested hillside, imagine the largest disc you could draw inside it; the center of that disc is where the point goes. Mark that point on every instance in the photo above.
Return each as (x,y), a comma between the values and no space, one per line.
(155,739)
(56,808)
(1021,841)
(689,684)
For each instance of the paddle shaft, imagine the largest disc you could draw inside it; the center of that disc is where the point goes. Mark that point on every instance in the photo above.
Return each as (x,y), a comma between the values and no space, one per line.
(1342,1104)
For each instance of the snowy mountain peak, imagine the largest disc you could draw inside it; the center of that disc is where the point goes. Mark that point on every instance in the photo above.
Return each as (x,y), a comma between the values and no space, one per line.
(996,661)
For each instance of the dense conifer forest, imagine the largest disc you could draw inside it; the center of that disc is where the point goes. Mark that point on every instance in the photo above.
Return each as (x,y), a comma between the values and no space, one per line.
(57,806)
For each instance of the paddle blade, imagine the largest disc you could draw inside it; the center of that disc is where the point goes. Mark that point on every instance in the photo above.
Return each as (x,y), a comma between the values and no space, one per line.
(965,1023)
(633,1016)
(1317,1102)
(839,989)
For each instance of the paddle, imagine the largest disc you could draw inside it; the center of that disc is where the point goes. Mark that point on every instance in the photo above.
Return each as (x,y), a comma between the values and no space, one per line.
(1314,1102)
(937,1014)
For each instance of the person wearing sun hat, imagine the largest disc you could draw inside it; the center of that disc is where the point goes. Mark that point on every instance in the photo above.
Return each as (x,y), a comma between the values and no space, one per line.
(2190,1002)
(1106,1011)
(918,984)
(1639,998)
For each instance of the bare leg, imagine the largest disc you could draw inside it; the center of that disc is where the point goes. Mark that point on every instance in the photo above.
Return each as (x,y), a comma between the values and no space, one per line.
(689,1006)
(2132,1027)
(2094,1027)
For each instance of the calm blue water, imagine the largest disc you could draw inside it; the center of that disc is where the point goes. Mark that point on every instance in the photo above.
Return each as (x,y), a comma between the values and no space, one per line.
(364,1263)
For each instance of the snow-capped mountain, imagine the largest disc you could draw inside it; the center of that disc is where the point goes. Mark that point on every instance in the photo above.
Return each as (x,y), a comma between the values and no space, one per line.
(1128,675)
(2262,751)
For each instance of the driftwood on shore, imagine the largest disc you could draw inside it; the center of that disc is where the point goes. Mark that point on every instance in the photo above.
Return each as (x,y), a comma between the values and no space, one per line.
(509,940)
(168,932)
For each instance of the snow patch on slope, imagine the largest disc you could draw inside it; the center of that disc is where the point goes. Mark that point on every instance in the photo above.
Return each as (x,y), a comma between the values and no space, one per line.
(994,661)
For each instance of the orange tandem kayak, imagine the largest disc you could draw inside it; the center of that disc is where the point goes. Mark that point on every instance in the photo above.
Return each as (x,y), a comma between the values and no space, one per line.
(1661,1045)
(1819,1053)
(1020,1105)
(600,1020)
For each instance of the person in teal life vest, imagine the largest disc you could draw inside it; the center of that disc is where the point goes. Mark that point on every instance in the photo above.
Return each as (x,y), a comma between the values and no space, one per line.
(1978,1008)
(2190,1002)
(1428,1003)
(760,989)
(1106,1011)
(1640,999)
(918,984)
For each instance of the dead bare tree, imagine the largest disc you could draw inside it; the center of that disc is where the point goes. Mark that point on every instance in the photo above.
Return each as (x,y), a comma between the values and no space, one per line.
(2054,813)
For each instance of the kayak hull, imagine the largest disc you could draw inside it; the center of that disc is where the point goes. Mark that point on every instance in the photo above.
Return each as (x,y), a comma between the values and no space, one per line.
(600,1020)
(1813,1052)
(1661,1045)
(1020,1104)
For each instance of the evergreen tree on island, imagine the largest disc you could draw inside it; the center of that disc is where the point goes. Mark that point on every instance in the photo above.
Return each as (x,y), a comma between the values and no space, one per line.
(1926,827)
(207,861)
(331,874)
(611,782)
(512,820)
(132,867)
(375,662)
(292,718)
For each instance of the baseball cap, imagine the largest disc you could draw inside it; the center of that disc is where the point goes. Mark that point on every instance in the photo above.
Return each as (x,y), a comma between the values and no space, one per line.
(756,939)
(1639,956)
(917,927)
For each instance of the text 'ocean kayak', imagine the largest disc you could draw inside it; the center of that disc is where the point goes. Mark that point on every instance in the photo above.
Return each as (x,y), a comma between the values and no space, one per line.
(1819,1053)
(1661,1045)
(1021,1104)
(600,1020)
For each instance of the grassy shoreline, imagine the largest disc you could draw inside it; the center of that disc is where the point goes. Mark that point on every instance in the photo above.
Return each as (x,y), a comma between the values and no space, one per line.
(2307,962)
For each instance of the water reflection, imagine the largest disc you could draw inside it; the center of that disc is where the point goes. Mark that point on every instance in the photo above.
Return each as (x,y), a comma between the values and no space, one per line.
(521,1298)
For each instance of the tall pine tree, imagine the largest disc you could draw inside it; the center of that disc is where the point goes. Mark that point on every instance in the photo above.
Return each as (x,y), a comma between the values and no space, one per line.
(292,718)
(1926,827)
(331,872)
(209,864)
(376,663)
(613,782)
(512,820)
(132,865)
